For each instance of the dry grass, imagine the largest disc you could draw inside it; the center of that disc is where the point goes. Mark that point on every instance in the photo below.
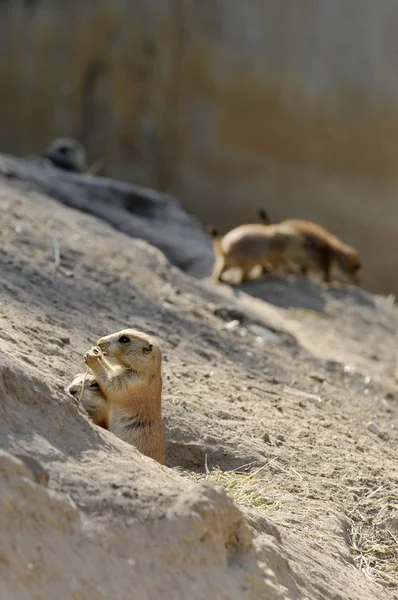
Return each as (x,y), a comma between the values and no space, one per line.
(373,542)
(374,545)
(249,489)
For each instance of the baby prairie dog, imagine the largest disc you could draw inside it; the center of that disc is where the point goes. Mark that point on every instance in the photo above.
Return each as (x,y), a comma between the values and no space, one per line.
(248,246)
(85,388)
(323,250)
(128,368)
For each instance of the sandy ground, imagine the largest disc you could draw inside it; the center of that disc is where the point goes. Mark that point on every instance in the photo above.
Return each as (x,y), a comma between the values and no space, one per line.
(268,389)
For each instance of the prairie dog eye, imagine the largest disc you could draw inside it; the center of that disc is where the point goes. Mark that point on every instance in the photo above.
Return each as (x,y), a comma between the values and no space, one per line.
(94,385)
(63,149)
(123,339)
(147,349)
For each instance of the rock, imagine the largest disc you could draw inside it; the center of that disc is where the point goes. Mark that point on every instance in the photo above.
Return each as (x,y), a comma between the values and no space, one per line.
(227,313)
(374,428)
(317,377)
(232,325)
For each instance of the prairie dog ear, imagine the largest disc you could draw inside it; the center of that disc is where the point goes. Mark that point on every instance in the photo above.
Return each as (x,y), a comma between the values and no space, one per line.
(212,231)
(263,216)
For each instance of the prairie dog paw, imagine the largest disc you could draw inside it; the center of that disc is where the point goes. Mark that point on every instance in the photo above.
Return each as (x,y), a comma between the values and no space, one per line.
(92,356)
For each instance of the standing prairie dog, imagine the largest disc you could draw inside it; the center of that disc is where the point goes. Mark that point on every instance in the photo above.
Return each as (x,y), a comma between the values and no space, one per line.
(85,388)
(128,368)
(323,250)
(248,246)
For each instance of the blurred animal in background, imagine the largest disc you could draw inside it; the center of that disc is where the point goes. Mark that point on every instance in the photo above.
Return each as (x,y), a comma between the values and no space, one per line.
(324,251)
(255,245)
(67,154)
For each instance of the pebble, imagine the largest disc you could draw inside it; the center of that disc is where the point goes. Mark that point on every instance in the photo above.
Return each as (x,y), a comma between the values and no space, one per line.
(317,377)
(266,438)
(232,325)
(67,272)
(228,314)
(374,428)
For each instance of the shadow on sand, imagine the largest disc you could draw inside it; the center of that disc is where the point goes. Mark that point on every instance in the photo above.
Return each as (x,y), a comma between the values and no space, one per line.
(302,292)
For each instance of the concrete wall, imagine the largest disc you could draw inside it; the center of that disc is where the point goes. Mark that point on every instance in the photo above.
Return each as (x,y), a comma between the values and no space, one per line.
(229,104)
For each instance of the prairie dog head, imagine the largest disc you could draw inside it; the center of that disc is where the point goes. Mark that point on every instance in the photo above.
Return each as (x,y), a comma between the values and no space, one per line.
(67,154)
(263,216)
(91,387)
(85,388)
(351,264)
(133,349)
(356,268)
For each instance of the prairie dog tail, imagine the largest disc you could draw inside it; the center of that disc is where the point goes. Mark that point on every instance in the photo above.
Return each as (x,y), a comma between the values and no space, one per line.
(212,231)
(263,216)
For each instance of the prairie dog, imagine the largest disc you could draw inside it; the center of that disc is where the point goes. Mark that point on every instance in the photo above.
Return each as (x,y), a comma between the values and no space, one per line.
(67,154)
(85,388)
(324,250)
(248,246)
(128,368)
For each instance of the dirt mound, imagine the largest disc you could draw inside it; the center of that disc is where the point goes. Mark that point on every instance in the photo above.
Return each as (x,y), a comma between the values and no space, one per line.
(265,394)
(140,212)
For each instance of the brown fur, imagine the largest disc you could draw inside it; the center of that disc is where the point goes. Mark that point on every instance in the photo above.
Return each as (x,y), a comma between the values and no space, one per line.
(130,377)
(324,250)
(90,397)
(248,246)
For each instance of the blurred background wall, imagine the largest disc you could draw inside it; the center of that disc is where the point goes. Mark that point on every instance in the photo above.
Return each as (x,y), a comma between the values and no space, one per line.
(228,104)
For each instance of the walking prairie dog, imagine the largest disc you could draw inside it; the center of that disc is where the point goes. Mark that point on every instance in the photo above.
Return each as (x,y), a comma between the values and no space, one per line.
(128,368)
(86,389)
(323,250)
(248,246)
